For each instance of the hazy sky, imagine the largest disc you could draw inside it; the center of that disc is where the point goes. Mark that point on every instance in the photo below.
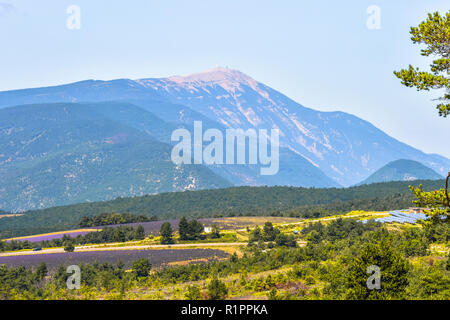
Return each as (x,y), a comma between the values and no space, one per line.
(319,53)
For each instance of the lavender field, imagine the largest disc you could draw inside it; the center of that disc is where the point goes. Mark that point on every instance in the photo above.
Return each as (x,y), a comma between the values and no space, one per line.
(158,258)
(226,223)
(153,227)
(58,235)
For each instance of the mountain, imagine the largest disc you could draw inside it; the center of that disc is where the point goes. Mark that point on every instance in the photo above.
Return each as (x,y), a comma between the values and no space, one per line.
(55,154)
(63,153)
(402,170)
(294,169)
(341,146)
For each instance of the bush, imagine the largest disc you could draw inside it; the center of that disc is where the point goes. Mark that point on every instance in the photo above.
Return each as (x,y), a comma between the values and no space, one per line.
(283,240)
(140,233)
(393,268)
(217,290)
(193,293)
(141,267)
(68,247)
(269,232)
(215,233)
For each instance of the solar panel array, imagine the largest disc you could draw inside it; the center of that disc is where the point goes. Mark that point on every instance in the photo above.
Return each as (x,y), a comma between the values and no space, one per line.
(401,217)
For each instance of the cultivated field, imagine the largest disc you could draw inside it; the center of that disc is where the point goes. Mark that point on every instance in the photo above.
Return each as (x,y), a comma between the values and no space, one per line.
(153,227)
(158,258)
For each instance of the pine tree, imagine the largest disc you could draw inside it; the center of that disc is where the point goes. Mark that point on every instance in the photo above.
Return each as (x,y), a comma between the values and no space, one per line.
(183,229)
(166,233)
(140,233)
(217,290)
(434,33)
(269,232)
(393,271)
(141,267)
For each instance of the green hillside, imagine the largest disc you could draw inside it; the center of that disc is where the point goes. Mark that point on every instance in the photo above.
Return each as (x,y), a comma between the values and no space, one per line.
(57,154)
(402,170)
(302,202)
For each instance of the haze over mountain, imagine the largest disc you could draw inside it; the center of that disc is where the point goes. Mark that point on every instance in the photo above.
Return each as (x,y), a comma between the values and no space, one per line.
(62,153)
(54,154)
(320,149)
(402,170)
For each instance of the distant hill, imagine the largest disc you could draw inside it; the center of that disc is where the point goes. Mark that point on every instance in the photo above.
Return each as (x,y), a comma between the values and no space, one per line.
(402,170)
(246,201)
(55,154)
(58,154)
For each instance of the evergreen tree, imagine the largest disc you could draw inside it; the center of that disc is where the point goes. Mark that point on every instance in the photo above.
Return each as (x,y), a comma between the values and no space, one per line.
(434,33)
(215,234)
(41,272)
(255,235)
(393,272)
(140,233)
(193,293)
(196,229)
(141,267)
(284,240)
(166,233)
(217,290)
(269,232)
(183,229)
(190,230)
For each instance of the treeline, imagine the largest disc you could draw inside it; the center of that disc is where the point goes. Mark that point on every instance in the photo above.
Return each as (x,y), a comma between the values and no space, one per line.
(396,201)
(106,235)
(188,231)
(272,235)
(413,241)
(105,219)
(237,201)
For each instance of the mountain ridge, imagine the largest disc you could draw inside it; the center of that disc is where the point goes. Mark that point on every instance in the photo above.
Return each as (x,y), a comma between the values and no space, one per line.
(346,148)
(55,154)
(402,170)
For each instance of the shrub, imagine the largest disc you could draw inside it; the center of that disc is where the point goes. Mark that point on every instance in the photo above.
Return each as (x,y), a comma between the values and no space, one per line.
(217,290)
(193,293)
(68,247)
(141,267)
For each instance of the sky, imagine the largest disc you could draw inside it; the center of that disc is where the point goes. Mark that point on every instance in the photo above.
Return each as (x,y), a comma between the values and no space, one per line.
(319,53)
